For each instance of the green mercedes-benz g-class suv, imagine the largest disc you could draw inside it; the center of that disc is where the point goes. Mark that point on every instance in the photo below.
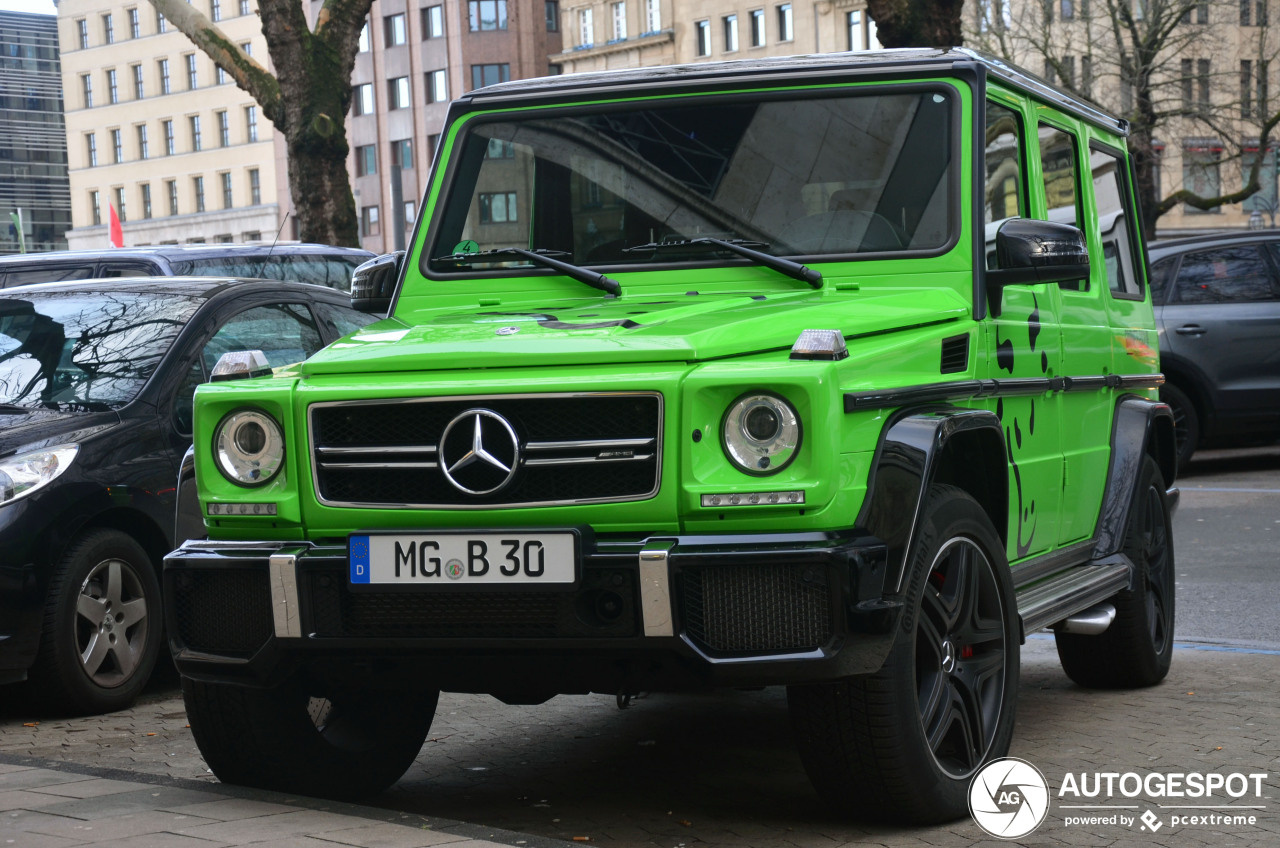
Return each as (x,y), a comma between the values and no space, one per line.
(834,372)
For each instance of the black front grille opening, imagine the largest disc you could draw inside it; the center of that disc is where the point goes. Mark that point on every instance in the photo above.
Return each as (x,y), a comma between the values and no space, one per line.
(225,611)
(604,605)
(757,609)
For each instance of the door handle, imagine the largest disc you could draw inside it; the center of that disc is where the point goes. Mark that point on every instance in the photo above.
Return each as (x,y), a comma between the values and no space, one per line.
(1191,330)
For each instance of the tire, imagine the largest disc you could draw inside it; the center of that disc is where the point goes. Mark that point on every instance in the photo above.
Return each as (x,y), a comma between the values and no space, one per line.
(901,745)
(346,746)
(1186,423)
(1138,646)
(102,627)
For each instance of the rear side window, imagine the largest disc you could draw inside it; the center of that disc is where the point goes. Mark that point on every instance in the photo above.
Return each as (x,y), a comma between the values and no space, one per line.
(127,269)
(1060,167)
(1160,274)
(332,271)
(1115,226)
(48,274)
(1238,274)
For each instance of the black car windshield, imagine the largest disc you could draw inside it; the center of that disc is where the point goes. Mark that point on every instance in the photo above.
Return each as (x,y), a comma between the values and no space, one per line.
(332,271)
(79,350)
(799,173)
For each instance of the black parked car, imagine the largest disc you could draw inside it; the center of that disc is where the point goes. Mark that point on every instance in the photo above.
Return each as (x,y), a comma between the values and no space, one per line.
(1217,300)
(96,387)
(303,263)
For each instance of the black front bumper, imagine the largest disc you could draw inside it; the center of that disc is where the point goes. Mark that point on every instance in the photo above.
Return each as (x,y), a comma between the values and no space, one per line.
(648,614)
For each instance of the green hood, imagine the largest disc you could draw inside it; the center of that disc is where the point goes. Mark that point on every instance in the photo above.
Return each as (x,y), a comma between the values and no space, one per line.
(633,328)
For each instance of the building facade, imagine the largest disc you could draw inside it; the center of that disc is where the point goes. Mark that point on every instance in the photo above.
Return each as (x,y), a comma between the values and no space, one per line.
(156,131)
(34,191)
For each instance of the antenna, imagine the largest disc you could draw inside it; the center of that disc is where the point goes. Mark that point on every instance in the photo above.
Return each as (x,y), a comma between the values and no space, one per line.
(262,266)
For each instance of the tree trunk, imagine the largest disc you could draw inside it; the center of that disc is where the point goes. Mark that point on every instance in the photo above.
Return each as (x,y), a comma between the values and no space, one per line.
(321,193)
(917,23)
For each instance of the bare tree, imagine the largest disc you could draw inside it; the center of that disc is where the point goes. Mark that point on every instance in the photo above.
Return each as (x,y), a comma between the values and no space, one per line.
(917,23)
(306,99)
(1167,66)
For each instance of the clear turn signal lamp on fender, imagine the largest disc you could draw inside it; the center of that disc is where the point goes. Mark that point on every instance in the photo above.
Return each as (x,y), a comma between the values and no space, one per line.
(826,345)
(753,499)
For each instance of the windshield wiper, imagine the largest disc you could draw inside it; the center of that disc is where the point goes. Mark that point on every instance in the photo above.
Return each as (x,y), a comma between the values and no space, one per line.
(743,248)
(543,257)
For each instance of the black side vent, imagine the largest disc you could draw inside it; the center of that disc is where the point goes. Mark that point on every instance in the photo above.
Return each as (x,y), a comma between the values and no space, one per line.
(955,354)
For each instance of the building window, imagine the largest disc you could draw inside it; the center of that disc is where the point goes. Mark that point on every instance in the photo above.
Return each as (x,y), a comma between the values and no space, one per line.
(784,23)
(247,47)
(198,185)
(702,30)
(499,149)
(362,45)
(172,186)
(730,23)
(437,86)
(117,146)
(364,99)
(215,10)
(224,129)
(856,41)
(161,24)
(619,16)
(369,225)
(410,213)
(138,92)
(165,86)
(91,149)
(196,142)
(86,85)
(108,29)
(146,200)
(169,144)
(244,7)
(402,153)
(487,14)
(482,75)
(1068,9)
(113,90)
(366,160)
(1265,200)
(1195,85)
(192,82)
(586,28)
(1197,12)
(82,30)
(398,93)
(255,187)
(121,212)
(653,15)
(1201,174)
(95,208)
(226,190)
(143,151)
(393,29)
(756,18)
(251,122)
(433,22)
(433,143)
(221,73)
(553,15)
(498,207)
(1253,12)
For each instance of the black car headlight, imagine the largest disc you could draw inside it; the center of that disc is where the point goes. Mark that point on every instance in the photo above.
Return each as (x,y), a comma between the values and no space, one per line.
(248,447)
(27,472)
(761,433)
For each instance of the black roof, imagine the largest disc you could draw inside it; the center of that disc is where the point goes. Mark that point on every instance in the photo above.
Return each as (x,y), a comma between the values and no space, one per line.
(189,251)
(820,66)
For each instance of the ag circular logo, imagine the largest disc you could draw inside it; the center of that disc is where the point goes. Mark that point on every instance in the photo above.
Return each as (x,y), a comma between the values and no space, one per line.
(1009,798)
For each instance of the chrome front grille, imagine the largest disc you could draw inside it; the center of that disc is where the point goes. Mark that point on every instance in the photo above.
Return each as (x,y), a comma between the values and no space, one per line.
(572,448)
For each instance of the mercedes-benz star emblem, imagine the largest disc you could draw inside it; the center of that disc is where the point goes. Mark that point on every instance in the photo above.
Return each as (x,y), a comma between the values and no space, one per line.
(479,452)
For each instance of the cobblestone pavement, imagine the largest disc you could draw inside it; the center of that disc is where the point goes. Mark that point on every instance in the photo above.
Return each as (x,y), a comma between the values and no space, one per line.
(715,770)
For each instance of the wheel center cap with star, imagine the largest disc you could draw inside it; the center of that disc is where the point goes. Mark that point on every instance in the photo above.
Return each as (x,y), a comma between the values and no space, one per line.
(479,452)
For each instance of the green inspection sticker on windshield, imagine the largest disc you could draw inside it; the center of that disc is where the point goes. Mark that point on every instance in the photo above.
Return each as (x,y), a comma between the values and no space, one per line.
(467,246)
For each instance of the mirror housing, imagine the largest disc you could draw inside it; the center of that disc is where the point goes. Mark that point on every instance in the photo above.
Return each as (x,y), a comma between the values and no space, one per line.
(374,283)
(1031,251)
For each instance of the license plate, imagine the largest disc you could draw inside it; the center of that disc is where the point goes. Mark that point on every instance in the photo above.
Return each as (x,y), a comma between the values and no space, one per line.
(464,559)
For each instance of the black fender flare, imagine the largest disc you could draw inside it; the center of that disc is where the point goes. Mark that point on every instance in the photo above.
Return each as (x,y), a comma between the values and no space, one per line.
(1140,427)
(918,448)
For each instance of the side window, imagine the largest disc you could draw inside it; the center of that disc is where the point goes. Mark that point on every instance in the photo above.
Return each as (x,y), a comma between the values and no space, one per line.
(1115,225)
(1060,166)
(342,322)
(184,403)
(49,274)
(126,269)
(284,332)
(1003,196)
(1160,272)
(1225,275)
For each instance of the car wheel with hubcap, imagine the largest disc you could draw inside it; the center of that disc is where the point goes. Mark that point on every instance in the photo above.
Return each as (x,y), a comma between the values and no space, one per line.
(1137,648)
(102,630)
(294,737)
(903,743)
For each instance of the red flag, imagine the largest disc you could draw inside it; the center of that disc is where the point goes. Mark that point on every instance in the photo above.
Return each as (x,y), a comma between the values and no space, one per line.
(117,232)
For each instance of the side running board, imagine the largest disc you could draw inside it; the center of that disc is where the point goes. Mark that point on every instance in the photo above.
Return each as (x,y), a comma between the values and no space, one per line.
(1069,592)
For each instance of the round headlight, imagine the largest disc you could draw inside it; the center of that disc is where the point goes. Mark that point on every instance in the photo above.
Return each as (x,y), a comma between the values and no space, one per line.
(248,447)
(761,433)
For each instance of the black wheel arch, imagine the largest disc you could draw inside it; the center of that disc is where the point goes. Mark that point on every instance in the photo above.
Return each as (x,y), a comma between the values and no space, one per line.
(1141,427)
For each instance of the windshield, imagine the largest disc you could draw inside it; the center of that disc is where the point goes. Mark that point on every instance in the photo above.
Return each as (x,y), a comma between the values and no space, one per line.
(798,173)
(78,350)
(331,271)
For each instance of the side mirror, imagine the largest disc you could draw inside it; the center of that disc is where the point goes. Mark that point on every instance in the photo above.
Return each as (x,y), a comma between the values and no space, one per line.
(374,283)
(1030,251)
